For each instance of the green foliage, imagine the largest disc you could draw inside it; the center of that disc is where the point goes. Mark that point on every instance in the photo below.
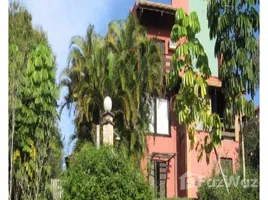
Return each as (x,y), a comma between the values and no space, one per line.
(174,199)
(125,65)
(103,174)
(233,24)
(192,101)
(252,142)
(35,150)
(206,191)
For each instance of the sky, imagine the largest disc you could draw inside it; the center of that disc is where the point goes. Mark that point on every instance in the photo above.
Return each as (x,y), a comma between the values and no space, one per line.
(62,19)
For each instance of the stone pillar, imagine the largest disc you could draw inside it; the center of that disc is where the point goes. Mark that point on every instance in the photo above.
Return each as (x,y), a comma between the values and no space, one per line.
(108,128)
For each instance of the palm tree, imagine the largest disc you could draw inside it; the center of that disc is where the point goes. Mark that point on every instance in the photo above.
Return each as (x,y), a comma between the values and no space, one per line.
(125,65)
(86,81)
(138,76)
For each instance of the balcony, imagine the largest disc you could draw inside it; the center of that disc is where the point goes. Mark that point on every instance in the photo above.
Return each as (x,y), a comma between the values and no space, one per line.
(228,132)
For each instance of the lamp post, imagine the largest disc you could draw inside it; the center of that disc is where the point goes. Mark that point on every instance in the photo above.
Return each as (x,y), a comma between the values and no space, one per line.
(108,124)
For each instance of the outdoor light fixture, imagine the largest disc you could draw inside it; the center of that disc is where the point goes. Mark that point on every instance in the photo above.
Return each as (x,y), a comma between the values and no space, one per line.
(107,104)
(108,124)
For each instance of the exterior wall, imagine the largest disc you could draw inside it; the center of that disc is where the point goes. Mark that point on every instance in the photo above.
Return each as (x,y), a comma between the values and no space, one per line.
(228,149)
(165,144)
(182,159)
(200,7)
(186,161)
(160,34)
(181,4)
(163,35)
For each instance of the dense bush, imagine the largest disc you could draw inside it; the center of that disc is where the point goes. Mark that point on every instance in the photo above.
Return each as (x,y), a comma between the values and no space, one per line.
(252,140)
(174,199)
(208,190)
(103,174)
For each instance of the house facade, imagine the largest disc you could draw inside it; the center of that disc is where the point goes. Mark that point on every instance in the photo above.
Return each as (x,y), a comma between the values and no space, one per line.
(170,165)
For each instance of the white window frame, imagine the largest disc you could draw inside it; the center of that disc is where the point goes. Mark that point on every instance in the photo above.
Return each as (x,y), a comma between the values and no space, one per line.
(157,118)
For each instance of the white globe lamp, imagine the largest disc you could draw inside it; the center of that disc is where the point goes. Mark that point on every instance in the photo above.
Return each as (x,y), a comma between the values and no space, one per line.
(107,104)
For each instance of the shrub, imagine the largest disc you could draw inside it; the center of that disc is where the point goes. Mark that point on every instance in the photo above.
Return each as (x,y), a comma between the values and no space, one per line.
(103,174)
(209,190)
(174,199)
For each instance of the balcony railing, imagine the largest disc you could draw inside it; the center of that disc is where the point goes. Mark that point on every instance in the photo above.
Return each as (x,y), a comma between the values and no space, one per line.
(227,131)
(166,62)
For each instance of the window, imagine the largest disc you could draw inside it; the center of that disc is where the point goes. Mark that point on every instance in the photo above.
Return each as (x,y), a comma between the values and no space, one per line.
(227,165)
(161,179)
(217,102)
(199,125)
(161,44)
(158,178)
(216,105)
(159,112)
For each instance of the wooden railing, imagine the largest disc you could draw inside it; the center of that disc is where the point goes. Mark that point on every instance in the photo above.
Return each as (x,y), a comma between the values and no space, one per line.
(227,131)
(167,62)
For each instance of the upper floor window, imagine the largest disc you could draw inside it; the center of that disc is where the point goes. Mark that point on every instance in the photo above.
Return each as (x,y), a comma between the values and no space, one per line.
(162,46)
(160,117)
(217,104)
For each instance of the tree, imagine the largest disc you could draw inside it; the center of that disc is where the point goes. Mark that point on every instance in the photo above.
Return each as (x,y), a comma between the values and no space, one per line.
(124,65)
(103,174)
(35,150)
(86,80)
(192,101)
(210,189)
(252,142)
(233,24)
(139,76)
(19,18)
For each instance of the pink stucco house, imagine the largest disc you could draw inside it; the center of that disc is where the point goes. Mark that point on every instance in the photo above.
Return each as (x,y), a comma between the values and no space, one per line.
(170,166)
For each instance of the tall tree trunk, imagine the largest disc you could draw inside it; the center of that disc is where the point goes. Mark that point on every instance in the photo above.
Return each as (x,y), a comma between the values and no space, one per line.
(11,154)
(219,164)
(41,161)
(13,103)
(243,149)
